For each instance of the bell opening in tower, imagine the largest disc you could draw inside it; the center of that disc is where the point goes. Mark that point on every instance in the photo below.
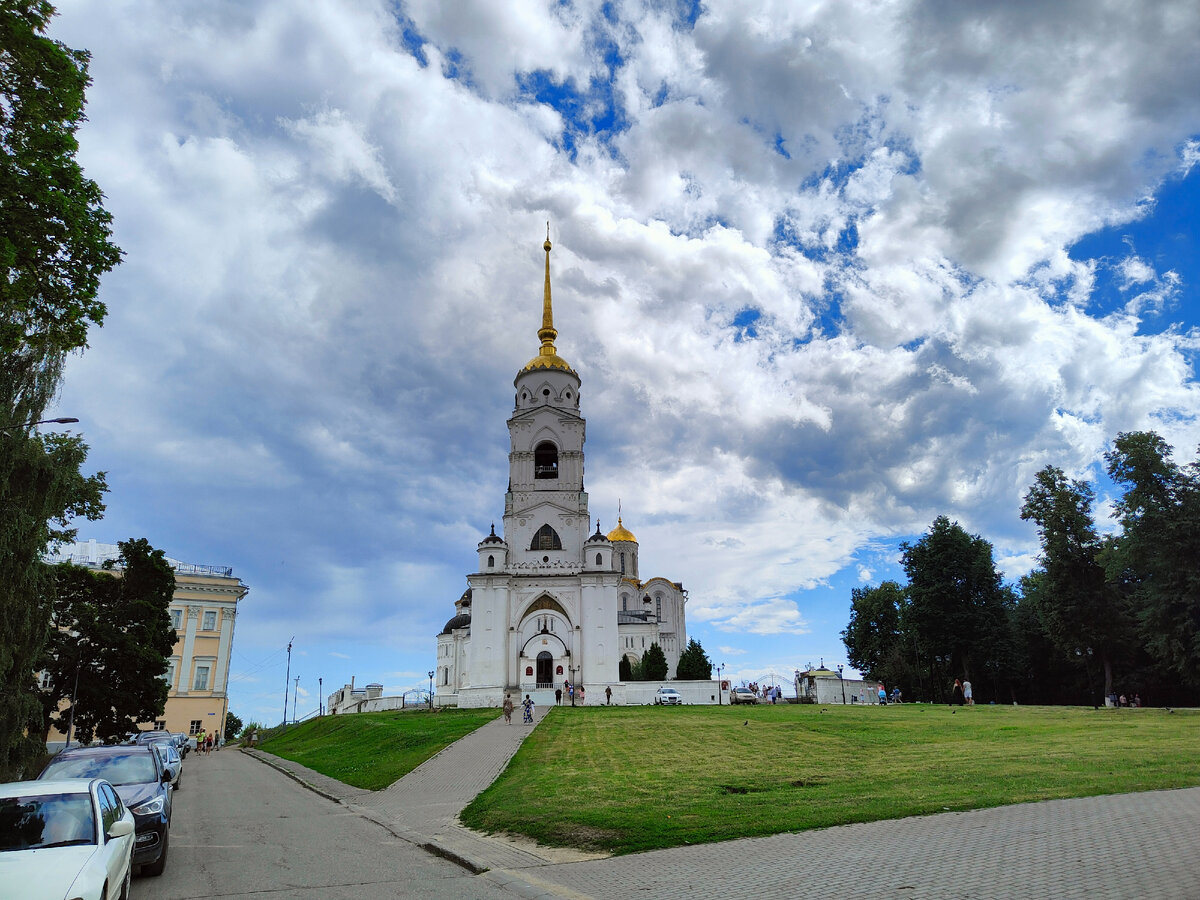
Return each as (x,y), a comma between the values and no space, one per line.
(545,460)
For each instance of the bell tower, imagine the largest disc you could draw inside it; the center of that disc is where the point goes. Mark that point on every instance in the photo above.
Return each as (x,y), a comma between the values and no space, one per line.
(545,510)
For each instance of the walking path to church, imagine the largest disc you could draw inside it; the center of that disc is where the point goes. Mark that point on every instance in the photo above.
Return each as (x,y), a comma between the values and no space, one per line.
(1102,848)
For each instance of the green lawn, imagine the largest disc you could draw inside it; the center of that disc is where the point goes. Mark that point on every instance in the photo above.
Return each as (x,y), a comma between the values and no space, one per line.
(371,750)
(637,778)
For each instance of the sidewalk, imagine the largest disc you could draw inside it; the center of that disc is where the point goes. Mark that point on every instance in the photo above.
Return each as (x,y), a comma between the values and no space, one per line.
(1102,848)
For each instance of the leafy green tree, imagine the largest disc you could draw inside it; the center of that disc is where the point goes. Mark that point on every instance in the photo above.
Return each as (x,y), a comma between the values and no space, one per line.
(1082,612)
(54,247)
(54,233)
(41,491)
(694,664)
(625,670)
(956,605)
(1154,561)
(233,725)
(109,645)
(873,639)
(654,663)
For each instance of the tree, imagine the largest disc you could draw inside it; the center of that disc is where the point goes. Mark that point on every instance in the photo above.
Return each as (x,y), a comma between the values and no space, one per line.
(694,664)
(654,664)
(1154,560)
(1081,611)
(956,606)
(109,645)
(54,247)
(233,726)
(625,670)
(54,232)
(41,490)
(873,638)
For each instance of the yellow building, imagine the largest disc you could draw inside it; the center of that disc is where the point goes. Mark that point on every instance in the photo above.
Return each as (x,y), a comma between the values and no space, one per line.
(203,612)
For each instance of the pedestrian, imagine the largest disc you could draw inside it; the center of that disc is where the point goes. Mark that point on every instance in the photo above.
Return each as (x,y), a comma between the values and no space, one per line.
(862,696)
(527,706)
(217,741)
(208,742)
(508,709)
(571,693)
(558,696)
(581,695)
(956,695)
(967,695)
(608,696)
(1137,700)
(882,696)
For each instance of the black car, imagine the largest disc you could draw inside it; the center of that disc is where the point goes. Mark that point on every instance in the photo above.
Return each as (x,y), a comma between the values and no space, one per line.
(143,784)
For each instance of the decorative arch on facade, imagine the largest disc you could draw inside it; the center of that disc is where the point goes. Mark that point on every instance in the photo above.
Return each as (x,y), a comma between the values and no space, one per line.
(545,538)
(545,460)
(545,603)
(563,649)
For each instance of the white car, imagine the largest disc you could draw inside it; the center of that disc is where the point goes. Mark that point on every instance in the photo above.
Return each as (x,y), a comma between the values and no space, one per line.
(62,840)
(742,695)
(666,696)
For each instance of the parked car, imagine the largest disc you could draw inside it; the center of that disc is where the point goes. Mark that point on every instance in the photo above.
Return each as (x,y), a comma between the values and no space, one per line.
(171,760)
(183,743)
(143,737)
(742,695)
(141,781)
(70,839)
(666,696)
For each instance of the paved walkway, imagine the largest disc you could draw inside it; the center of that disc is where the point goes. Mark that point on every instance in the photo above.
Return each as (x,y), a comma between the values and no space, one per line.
(1102,848)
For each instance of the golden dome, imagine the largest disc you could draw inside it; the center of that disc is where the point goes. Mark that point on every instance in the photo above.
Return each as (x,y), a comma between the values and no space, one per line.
(621,533)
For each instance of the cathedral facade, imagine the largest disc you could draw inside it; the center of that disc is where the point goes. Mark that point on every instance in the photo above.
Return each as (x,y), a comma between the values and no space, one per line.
(552,600)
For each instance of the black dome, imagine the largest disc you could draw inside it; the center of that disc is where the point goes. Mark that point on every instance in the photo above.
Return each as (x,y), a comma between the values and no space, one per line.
(459,621)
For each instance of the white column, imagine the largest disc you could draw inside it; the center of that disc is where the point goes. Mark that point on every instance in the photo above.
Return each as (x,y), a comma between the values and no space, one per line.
(189,640)
(221,675)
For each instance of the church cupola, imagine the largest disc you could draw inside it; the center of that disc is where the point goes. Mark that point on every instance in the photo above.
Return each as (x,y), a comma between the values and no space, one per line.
(597,552)
(625,550)
(493,553)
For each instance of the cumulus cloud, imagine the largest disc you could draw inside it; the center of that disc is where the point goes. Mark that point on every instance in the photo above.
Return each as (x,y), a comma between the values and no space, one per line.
(811,260)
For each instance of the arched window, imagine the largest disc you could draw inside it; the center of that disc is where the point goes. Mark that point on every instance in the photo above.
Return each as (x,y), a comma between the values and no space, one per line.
(624,603)
(491,561)
(622,562)
(599,559)
(545,460)
(658,606)
(546,539)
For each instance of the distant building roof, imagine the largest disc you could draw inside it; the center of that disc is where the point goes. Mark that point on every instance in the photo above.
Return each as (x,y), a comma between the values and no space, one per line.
(94,554)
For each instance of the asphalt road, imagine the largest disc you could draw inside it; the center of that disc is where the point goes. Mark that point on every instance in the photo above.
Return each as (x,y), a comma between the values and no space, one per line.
(242,829)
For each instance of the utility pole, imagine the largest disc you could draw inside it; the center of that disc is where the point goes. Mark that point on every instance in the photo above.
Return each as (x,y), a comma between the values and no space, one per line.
(295,699)
(287,680)
(321,697)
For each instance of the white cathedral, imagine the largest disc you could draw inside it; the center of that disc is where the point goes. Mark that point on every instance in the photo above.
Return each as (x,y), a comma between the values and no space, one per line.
(553,601)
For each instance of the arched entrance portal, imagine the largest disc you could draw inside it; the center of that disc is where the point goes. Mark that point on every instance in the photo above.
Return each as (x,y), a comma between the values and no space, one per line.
(545,670)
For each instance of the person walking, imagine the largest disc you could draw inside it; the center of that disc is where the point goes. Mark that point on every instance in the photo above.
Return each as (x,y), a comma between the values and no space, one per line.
(956,695)
(608,696)
(527,706)
(558,696)
(967,695)
(508,709)
(581,695)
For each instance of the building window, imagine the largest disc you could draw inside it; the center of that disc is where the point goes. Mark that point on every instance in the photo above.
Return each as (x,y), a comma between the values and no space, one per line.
(658,607)
(169,675)
(624,603)
(546,539)
(194,727)
(599,559)
(160,724)
(545,460)
(44,681)
(210,620)
(622,562)
(491,561)
(201,682)
(177,619)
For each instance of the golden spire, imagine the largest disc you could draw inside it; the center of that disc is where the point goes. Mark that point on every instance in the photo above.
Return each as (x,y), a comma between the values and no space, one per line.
(547,334)
(547,357)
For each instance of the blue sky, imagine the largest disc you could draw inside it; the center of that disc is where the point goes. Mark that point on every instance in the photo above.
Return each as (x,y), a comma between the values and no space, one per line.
(827,271)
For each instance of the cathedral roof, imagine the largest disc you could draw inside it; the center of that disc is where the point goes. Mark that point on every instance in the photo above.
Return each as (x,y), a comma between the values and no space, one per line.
(459,621)
(597,538)
(547,357)
(492,538)
(621,533)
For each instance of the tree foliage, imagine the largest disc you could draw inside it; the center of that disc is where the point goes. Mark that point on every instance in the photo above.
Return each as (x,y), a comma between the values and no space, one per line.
(873,637)
(113,631)
(1154,561)
(694,664)
(233,725)
(654,664)
(41,491)
(1080,610)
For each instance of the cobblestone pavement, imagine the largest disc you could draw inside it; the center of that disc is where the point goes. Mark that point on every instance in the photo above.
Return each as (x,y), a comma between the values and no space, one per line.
(1103,848)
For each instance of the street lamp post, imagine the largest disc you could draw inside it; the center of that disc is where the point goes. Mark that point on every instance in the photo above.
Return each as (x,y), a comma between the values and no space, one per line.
(720,682)
(843,683)
(287,678)
(320,697)
(62,420)
(295,699)
(431,671)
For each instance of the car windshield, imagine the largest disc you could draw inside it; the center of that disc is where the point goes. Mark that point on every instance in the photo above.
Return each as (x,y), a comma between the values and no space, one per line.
(46,820)
(117,768)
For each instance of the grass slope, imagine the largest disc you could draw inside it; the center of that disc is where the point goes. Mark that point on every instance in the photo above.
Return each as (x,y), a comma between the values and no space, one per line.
(372,750)
(627,779)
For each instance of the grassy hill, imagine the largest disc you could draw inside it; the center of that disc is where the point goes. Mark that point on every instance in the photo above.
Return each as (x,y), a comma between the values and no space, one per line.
(625,779)
(372,750)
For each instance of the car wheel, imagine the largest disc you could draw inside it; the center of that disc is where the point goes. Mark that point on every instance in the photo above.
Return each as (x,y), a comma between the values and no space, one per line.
(157,867)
